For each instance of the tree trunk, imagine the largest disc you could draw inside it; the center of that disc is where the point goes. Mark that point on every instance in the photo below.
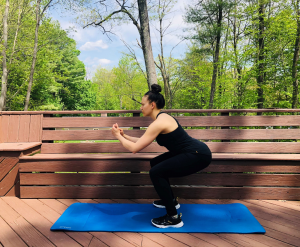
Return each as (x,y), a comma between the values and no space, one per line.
(4,62)
(261,57)
(38,17)
(146,43)
(216,57)
(295,59)
(238,69)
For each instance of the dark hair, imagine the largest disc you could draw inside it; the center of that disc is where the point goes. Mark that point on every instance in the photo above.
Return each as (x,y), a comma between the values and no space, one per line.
(155,96)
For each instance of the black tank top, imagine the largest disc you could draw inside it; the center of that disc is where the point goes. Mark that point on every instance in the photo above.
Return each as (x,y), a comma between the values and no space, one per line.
(179,141)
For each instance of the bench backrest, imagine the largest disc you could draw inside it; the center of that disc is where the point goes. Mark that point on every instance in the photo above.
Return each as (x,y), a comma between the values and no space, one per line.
(216,132)
(20,127)
(268,134)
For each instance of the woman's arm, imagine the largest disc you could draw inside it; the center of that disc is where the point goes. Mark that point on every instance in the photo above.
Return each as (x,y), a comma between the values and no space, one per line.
(149,136)
(130,138)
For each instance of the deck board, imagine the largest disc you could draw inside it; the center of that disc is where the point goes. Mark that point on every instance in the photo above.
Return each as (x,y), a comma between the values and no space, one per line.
(8,237)
(39,222)
(83,238)
(29,233)
(97,243)
(27,222)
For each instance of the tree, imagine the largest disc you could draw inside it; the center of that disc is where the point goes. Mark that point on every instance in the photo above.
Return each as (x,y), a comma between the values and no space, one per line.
(295,97)
(121,86)
(208,17)
(75,92)
(39,14)
(124,10)
(165,65)
(4,57)
(261,53)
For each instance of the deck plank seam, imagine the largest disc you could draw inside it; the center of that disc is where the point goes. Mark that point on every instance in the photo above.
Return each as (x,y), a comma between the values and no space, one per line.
(14,231)
(60,213)
(35,229)
(66,233)
(253,202)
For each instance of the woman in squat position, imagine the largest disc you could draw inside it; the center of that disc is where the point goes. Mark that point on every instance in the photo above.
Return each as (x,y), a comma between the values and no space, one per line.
(186,155)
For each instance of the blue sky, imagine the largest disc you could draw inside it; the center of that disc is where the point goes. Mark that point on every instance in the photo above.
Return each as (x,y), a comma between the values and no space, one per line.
(98,50)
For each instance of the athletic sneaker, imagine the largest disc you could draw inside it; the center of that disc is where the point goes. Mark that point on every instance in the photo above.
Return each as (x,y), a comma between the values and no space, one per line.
(160,204)
(167,221)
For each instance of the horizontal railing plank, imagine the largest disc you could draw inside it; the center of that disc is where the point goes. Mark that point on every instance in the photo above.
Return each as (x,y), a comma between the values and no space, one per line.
(131,192)
(202,134)
(212,179)
(215,147)
(94,148)
(132,165)
(93,122)
(139,111)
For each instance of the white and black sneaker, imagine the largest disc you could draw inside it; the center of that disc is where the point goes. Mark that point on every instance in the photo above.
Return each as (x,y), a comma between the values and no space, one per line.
(160,204)
(168,221)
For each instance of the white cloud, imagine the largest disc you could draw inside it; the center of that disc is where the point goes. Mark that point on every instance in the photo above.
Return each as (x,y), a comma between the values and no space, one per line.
(90,46)
(96,61)
(104,61)
(91,65)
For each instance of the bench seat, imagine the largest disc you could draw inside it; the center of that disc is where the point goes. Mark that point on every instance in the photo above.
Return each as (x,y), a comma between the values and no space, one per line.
(19,146)
(148,156)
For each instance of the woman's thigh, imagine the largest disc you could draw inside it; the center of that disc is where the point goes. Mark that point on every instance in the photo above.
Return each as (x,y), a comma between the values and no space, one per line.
(181,165)
(160,158)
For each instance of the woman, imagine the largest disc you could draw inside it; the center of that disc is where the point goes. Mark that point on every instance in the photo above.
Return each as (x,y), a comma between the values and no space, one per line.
(186,155)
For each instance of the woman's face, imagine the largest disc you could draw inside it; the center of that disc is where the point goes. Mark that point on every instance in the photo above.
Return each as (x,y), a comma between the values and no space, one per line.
(146,107)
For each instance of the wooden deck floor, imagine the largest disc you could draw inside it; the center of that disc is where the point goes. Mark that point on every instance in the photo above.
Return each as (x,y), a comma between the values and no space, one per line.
(27,222)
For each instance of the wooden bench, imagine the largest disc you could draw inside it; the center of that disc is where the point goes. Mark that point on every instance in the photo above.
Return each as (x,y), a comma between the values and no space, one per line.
(267,167)
(19,135)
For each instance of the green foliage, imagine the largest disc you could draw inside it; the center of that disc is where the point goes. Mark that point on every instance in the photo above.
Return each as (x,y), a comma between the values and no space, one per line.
(120,85)
(59,78)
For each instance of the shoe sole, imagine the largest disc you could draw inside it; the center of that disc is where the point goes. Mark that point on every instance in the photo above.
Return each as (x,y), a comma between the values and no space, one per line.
(161,206)
(174,226)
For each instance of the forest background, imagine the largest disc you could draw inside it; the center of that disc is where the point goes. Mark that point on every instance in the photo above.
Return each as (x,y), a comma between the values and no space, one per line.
(241,54)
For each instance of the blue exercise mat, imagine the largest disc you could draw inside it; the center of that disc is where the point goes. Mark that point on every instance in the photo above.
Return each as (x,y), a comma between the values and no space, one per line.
(209,218)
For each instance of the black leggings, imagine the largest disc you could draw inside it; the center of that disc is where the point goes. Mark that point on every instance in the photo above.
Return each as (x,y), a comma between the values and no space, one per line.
(169,165)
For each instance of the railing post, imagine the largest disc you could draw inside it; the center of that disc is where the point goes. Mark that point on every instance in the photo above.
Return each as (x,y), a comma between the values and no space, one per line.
(47,115)
(136,128)
(225,114)
(136,115)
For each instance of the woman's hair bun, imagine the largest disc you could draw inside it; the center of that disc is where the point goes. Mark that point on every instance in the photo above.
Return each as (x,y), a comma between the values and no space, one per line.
(155,88)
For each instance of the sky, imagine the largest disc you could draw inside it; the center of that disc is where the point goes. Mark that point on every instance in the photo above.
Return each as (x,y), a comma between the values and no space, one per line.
(97,50)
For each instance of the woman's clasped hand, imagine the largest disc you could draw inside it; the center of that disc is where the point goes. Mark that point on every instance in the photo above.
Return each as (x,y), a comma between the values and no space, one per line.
(116,130)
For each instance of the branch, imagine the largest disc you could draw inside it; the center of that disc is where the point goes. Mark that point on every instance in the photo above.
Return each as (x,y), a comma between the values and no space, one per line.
(139,44)
(134,57)
(9,99)
(122,10)
(46,7)
(160,68)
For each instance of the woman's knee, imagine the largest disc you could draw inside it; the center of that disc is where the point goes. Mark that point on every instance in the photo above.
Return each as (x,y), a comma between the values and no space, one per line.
(155,172)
